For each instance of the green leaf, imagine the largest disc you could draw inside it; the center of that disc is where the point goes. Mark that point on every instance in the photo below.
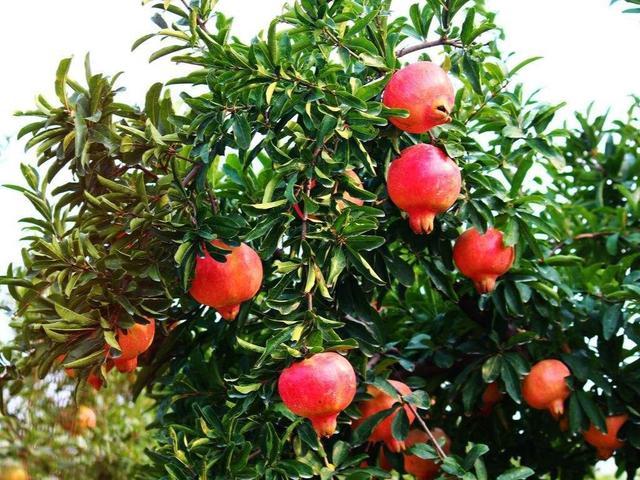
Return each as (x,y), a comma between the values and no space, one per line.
(491,368)
(472,73)
(61,80)
(242,132)
(517,473)
(611,320)
(400,425)
(363,431)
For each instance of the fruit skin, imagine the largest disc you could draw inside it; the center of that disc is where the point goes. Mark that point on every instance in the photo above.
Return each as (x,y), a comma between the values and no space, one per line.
(136,340)
(606,443)
(423,181)
(225,285)
(381,401)
(483,258)
(13,472)
(425,90)
(78,420)
(420,468)
(319,388)
(545,386)
(490,397)
(125,365)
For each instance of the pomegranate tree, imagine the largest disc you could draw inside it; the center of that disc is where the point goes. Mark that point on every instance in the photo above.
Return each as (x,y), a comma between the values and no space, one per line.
(423,181)
(319,388)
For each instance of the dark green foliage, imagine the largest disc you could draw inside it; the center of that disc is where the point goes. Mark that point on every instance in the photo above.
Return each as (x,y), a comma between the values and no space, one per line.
(268,130)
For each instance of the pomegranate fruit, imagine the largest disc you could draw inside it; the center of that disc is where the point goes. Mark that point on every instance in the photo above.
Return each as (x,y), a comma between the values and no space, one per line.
(319,388)
(425,90)
(125,365)
(420,468)
(13,472)
(78,420)
(225,285)
(606,443)
(382,401)
(135,340)
(545,387)
(482,258)
(423,181)
(490,397)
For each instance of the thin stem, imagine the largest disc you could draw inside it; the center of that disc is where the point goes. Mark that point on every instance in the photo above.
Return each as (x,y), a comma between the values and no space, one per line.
(201,22)
(424,426)
(424,45)
(193,173)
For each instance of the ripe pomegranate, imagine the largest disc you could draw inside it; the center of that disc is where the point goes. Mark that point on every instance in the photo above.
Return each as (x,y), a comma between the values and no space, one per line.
(606,443)
(425,90)
(545,386)
(381,401)
(135,340)
(319,388)
(125,365)
(420,468)
(13,472)
(490,397)
(225,285)
(423,181)
(482,258)
(78,420)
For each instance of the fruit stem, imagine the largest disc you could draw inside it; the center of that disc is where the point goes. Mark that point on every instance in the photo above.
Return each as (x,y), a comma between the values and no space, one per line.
(425,45)
(424,426)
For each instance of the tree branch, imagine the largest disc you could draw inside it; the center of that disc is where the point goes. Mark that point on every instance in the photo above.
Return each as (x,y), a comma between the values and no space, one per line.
(424,45)
(193,173)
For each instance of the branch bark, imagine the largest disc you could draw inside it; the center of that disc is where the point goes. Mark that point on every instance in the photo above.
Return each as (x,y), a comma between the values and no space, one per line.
(424,45)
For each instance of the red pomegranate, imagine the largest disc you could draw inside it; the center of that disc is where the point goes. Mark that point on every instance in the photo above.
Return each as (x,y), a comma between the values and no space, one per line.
(425,90)
(423,182)
(545,387)
(606,443)
(420,468)
(135,340)
(482,258)
(125,365)
(490,397)
(225,285)
(319,388)
(381,401)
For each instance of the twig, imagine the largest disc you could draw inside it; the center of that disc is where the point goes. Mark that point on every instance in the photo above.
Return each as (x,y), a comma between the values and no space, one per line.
(201,22)
(193,173)
(491,97)
(423,424)
(424,45)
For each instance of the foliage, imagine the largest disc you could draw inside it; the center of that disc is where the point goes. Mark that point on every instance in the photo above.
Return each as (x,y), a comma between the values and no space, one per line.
(262,123)
(31,433)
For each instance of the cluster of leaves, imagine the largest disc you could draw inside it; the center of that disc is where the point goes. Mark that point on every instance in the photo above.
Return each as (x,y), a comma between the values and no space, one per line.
(261,157)
(31,433)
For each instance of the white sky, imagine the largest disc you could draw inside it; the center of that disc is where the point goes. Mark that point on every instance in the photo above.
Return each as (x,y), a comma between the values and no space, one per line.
(590,52)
